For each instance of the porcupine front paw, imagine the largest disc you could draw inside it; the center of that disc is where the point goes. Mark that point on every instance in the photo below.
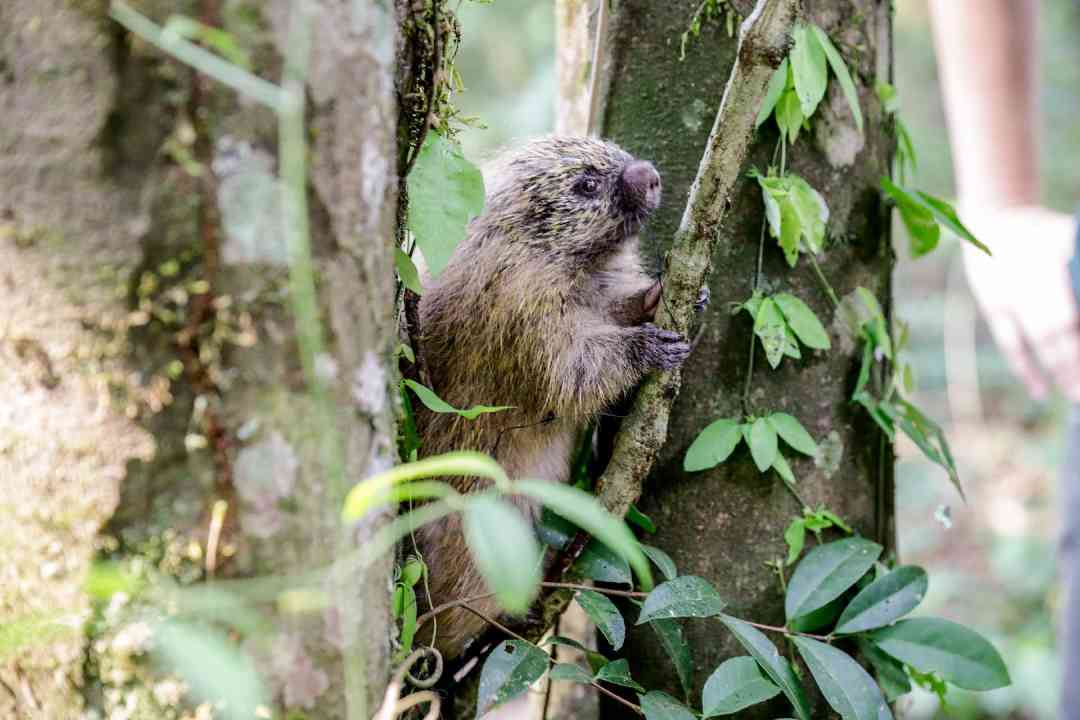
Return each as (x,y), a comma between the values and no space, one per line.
(657,349)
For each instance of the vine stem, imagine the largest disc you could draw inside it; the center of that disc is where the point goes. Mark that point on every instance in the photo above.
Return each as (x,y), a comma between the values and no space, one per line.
(615,696)
(824,283)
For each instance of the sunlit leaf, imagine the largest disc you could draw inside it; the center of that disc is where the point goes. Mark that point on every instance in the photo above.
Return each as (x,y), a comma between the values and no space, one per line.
(803,322)
(763,444)
(406,269)
(445,192)
(808,65)
(793,433)
(773,92)
(840,70)
(505,550)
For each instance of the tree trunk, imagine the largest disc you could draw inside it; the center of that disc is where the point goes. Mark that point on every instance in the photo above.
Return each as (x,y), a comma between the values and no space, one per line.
(153,346)
(726,523)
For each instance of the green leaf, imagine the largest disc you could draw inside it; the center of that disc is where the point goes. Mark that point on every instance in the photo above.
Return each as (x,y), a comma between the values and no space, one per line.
(713,445)
(617,672)
(793,433)
(826,572)
(505,550)
(884,601)
(556,531)
(961,656)
(585,511)
(930,438)
(890,101)
(771,661)
(373,491)
(643,521)
(508,672)
(604,615)
(571,672)
(922,227)
(662,560)
(789,114)
(736,685)
(780,465)
(436,404)
(672,638)
(840,70)
(946,216)
(890,672)
(809,69)
(408,618)
(770,327)
(763,444)
(410,277)
(795,537)
(812,211)
(660,706)
(846,686)
(777,83)
(446,191)
(599,562)
(223,42)
(817,619)
(213,667)
(803,322)
(685,596)
(796,213)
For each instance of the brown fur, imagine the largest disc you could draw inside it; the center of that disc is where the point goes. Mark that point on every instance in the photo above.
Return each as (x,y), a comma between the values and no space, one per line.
(544,306)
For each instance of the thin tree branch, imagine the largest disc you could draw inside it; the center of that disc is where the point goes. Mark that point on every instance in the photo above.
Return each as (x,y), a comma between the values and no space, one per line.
(763,43)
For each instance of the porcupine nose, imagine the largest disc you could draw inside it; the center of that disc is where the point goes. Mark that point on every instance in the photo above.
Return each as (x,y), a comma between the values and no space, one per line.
(642,183)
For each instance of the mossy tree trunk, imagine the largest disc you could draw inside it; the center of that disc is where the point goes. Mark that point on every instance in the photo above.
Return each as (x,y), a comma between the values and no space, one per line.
(149,338)
(727,523)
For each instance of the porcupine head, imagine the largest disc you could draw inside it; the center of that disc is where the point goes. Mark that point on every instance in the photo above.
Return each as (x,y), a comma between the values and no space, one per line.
(544,307)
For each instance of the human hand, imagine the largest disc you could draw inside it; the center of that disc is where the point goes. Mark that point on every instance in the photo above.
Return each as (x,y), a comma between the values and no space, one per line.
(1026,294)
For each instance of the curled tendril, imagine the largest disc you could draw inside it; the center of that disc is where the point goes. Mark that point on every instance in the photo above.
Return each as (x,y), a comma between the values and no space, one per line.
(394,705)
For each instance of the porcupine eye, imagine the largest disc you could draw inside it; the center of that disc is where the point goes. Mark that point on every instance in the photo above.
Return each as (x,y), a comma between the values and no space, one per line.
(587,186)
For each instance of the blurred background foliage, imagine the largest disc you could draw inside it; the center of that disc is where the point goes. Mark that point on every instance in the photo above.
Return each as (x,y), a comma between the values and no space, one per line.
(991,561)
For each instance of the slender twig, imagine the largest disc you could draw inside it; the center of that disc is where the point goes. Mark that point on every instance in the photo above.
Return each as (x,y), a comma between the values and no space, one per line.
(763,41)
(605,591)
(597,61)
(495,623)
(614,696)
(824,283)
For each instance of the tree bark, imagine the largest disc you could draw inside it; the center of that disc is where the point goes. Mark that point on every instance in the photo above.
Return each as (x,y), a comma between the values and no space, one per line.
(160,363)
(724,524)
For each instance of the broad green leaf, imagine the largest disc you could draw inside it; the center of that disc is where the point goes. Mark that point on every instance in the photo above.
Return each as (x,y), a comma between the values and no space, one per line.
(556,531)
(436,404)
(824,616)
(947,217)
(793,433)
(406,269)
(803,322)
(809,69)
(777,83)
(672,638)
(771,661)
(735,685)
(662,560)
(890,672)
(961,656)
(791,344)
(585,511)
(408,618)
(599,562)
(658,705)
(446,191)
(763,444)
(571,672)
(884,601)
(795,537)
(826,572)
(508,672)
(780,465)
(505,550)
(812,211)
(373,491)
(713,445)
(604,615)
(685,596)
(923,229)
(770,327)
(617,672)
(412,571)
(212,665)
(846,686)
(840,70)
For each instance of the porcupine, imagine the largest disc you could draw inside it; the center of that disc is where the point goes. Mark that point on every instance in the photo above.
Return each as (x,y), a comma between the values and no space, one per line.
(545,307)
